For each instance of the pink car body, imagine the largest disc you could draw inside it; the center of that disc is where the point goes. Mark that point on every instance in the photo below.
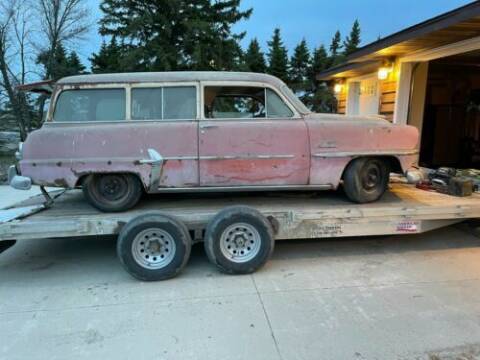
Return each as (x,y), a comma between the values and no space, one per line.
(300,151)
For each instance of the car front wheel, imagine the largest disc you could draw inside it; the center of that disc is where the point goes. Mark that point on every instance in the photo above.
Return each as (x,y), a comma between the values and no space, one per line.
(366,179)
(112,192)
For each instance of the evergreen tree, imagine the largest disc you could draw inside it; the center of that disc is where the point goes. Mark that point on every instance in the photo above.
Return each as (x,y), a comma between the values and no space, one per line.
(353,40)
(74,65)
(319,63)
(64,64)
(320,97)
(277,57)
(336,57)
(108,58)
(173,34)
(254,58)
(335,45)
(299,67)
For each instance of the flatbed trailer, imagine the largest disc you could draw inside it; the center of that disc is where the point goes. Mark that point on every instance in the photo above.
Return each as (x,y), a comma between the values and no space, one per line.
(404,209)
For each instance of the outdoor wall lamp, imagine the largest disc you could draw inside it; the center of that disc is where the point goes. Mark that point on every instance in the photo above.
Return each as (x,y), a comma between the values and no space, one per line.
(385,70)
(339,86)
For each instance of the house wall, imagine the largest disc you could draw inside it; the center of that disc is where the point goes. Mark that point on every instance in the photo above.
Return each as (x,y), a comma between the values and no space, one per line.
(342,101)
(387,93)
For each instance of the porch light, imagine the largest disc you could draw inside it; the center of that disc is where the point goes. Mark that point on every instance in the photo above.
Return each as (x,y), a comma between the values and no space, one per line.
(383,72)
(338,88)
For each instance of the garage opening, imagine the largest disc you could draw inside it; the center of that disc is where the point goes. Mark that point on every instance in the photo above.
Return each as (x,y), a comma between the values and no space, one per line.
(451,124)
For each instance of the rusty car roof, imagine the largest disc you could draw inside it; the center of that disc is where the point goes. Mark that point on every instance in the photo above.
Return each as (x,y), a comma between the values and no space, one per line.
(171,76)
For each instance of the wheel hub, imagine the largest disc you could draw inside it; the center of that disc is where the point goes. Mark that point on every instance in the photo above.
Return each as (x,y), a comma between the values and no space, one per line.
(112,187)
(153,248)
(371,177)
(240,242)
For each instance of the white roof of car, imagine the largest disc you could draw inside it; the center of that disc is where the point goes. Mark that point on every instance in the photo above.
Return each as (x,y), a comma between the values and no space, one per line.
(185,76)
(173,76)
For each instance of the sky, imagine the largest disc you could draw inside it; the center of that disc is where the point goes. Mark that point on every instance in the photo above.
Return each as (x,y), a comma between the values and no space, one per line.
(314,20)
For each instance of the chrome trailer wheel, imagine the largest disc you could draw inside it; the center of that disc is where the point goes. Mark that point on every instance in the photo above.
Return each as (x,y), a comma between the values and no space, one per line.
(154,246)
(239,240)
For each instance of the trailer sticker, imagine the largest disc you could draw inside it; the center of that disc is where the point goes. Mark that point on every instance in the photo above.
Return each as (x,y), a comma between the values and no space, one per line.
(327,230)
(407,227)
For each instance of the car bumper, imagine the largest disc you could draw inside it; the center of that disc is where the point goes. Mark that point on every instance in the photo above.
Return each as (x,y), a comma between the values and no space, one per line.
(17,181)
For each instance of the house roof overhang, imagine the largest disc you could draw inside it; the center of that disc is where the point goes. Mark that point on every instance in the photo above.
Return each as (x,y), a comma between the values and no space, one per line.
(453,26)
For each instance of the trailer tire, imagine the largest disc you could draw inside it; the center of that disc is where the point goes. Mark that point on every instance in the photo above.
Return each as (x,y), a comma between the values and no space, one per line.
(366,179)
(154,247)
(112,192)
(239,240)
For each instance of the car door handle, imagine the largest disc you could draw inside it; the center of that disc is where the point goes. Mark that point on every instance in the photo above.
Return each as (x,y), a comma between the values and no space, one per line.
(208,126)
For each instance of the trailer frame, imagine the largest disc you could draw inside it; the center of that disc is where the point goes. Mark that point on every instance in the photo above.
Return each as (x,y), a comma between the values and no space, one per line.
(404,209)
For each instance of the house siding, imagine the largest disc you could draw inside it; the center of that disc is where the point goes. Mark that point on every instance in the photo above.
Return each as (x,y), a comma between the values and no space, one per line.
(388,93)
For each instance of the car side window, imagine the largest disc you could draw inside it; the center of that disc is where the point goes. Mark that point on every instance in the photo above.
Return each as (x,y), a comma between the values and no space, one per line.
(180,102)
(243,102)
(164,103)
(237,106)
(147,104)
(276,107)
(90,105)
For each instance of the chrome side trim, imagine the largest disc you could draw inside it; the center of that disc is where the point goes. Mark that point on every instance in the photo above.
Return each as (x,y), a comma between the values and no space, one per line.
(336,154)
(19,152)
(156,160)
(102,159)
(246,157)
(245,188)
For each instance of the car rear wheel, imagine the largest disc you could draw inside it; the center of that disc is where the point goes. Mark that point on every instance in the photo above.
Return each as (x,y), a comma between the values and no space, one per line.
(366,179)
(154,247)
(112,192)
(239,240)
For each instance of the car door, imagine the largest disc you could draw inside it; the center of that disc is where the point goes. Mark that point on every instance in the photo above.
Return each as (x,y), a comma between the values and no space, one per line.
(251,136)
(167,122)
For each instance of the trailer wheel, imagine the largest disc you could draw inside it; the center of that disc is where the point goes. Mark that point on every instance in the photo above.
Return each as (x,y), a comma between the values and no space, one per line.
(112,192)
(154,247)
(365,179)
(239,240)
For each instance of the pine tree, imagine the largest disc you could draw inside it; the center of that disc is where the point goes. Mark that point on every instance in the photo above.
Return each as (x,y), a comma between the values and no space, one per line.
(353,40)
(335,45)
(108,59)
(319,97)
(336,57)
(64,64)
(319,63)
(254,58)
(74,65)
(277,57)
(299,67)
(175,35)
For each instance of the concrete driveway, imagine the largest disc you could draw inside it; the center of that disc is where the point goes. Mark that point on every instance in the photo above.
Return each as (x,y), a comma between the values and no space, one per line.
(404,297)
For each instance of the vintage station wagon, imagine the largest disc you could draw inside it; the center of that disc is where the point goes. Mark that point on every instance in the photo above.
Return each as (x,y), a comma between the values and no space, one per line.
(119,135)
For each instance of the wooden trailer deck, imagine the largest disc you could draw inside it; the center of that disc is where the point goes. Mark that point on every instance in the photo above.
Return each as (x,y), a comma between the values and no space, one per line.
(404,209)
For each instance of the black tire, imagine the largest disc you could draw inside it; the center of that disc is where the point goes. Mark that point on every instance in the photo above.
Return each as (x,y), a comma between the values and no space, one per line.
(168,237)
(112,192)
(366,179)
(247,259)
